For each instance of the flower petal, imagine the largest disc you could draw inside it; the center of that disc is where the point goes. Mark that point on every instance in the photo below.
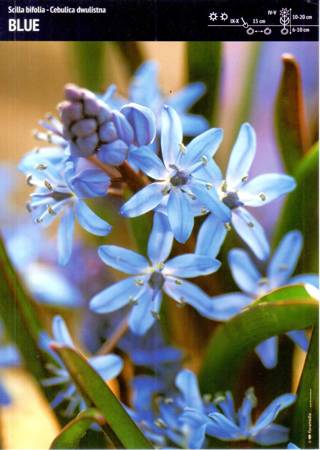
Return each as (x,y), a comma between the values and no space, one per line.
(190,265)
(149,162)
(285,258)
(183,291)
(108,366)
(144,200)
(143,315)
(60,332)
(244,271)
(193,124)
(228,305)
(187,96)
(142,121)
(272,435)
(65,236)
(144,86)
(161,239)
(265,188)
(123,127)
(268,352)
(123,259)
(90,221)
(271,412)
(306,278)
(300,338)
(90,183)
(211,236)
(242,156)
(210,200)
(180,215)
(115,297)
(225,429)
(250,230)
(171,135)
(187,383)
(114,153)
(204,145)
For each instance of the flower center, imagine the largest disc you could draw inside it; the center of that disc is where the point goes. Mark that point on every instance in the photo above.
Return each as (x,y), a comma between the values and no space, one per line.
(156,280)
(180,178)
(231,200)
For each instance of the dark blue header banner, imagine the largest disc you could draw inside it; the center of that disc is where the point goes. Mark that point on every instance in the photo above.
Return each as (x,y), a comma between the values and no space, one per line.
(139,20)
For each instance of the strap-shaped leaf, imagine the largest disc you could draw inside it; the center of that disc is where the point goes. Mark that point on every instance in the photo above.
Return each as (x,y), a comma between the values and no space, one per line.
(204,63)
(290,121)
(20,316)
(285,309)
(121,429)
(305,425)
(71,434)
(300,210)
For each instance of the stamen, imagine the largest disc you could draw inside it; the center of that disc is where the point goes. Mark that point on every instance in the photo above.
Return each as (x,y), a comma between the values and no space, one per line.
(250,224)
(28,207)
(51,210)
(204,211)
(244,178)
(166,190)
(48,185)
(224,186)
(168,401)
(207,398)
(262,196)
(139,282)
(133,301)
(38,220)
(28,180)
(182,148)
(227,226)
(178,282)
(204,160)
(41,166)
(209,186)
(160,423)
(181,302)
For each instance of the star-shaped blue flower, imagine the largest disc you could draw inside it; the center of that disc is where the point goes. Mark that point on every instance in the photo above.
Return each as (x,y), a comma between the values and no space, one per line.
(236,193)
(227,424)
(183,180)
(108,367)
(145,90)
(60,191)
(151,277)
(279,270)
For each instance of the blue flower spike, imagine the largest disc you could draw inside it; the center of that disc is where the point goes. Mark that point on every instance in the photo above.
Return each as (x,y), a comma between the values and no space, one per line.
(152,277)
(227,424)
(184,177)
(236,193)
(92,127)
(253,284)
(108,367)
(61,193)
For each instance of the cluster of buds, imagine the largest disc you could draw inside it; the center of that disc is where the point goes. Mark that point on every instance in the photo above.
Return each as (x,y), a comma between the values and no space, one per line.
(92,127)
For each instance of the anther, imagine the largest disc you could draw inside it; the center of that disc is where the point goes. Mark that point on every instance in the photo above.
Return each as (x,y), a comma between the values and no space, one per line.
(244,179)
(38,220)
(207,398)
(182,148)
(133,301)
(28,180)
(48,185)
(227,226)
(51,211)
(224,186)
(209,186)
(250,224)
(165,190)
(41,166)
(168,401)
(139,282)
(178,282)
(262,196)
(204,160)
(156,315)
(28,207)
(160,423)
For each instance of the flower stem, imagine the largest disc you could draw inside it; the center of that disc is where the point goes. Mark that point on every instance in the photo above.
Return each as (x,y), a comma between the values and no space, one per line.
(135,181)
(111,343)
(109,170)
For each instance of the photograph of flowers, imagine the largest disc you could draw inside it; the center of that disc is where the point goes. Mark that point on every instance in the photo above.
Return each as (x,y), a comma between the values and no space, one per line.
(159,245)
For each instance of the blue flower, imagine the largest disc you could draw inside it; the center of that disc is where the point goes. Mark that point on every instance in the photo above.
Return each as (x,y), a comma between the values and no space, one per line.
(184,176)
(61,193)
(227,424)
(157,409)
(291,445)
(145,90)
(253,284)
(108,367)
(236,192)
(150,278)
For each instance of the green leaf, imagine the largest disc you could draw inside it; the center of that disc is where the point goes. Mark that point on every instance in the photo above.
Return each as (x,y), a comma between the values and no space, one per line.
(20,315)
(304,429)
(285,309)
(300,210)
(204,64)
(290,121)
(90,61)
(132,53)
(71,434)
(121,429)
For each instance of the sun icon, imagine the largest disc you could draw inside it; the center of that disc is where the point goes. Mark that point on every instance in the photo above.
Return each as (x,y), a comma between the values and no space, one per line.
(213,16)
